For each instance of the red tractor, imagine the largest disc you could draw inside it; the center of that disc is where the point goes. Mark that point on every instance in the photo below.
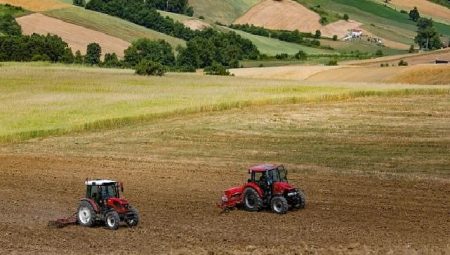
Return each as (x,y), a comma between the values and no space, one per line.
(267,187)
(103,204)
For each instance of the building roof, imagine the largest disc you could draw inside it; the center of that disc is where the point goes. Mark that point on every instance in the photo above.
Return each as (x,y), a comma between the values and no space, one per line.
(98,182)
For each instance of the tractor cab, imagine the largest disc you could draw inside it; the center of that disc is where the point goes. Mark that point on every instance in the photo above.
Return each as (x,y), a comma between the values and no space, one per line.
(268,173)
(100,190)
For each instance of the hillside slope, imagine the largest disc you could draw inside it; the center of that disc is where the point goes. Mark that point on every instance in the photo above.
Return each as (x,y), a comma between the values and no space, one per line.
(110,25)
(37,6)
(426,8)
(221,11)
(77,37)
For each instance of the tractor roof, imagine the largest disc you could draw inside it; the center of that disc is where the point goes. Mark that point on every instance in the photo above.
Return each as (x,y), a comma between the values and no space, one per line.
(99,182)
(263,167)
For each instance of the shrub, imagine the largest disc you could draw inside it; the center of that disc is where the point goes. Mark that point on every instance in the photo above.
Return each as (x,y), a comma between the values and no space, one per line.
(402,63)
(335,37)
(93,53)
(282,56)
(148,67)
(379,53)
(216,69)
(301,55)
(332,62)
(317,34)
(346,17)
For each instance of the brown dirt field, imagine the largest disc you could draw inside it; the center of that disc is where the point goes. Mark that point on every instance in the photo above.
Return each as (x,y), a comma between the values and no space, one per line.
(286,14)
(347,212)
(76,36)
(34,5)
(412,59)
(428,8)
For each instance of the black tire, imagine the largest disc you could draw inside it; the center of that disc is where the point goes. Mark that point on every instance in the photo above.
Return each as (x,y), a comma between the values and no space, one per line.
(86,215)
(112,220)
(252,201)
(132,220)
(302,200)
(279,205)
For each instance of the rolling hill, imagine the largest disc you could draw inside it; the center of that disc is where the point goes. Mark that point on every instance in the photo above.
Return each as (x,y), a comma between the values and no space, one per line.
(221,11)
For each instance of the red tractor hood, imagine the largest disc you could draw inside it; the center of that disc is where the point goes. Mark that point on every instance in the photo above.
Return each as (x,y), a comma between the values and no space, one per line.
(281,187)
(116,200)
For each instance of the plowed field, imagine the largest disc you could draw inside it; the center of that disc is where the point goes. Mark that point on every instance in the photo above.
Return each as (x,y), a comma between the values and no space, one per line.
(378,186)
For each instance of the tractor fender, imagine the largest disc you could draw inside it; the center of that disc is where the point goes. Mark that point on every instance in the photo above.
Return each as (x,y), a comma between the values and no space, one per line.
(93,204)
(254,186)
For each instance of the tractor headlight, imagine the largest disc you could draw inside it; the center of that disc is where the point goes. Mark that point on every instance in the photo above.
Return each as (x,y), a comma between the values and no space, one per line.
(292,193)
(224,198)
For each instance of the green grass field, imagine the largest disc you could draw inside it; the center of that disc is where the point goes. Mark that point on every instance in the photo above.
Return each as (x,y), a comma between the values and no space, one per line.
(224,12)
(42,99)
(110,25)
(16,12)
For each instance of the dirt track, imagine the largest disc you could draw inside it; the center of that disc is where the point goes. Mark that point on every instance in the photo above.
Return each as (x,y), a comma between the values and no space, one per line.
(344,213)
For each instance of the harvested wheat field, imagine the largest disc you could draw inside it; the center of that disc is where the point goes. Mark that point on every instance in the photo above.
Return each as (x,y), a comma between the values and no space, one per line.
(37,5)
(412,59)
(438,12)
(281,72)
(426,74)
(286,15)
(371,188)
(195,24)
(76,36)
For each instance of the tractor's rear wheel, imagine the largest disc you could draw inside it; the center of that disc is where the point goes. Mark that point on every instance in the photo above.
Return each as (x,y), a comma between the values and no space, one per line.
(252,200)
(302,200)
(86,214)
(133,220)
(279,205)
(112,220)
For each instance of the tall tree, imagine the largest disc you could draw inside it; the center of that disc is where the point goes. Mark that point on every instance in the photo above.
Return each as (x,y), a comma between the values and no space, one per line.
(414,14)
(93,54)
(427,37)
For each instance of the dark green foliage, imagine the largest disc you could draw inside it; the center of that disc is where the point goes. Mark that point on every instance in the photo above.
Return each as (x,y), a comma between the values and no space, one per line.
(40,57)
(402,63)
(379,53)
(301,55)
(157,51)
(9,26)
(148,67)
(211,46)
(332,62)
(411,49)
(111,60)
(317,34)
(81,3)
(414,14)
(216,69)
(78,59)
(427,37)
(93,54)
(282,56)
(68,57)
(346,17)
(323,20)
(24,48)
(335,37)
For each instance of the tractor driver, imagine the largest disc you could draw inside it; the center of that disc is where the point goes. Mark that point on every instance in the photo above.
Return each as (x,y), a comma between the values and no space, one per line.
(266,184)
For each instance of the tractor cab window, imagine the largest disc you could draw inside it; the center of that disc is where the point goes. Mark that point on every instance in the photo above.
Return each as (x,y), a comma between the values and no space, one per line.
(109,190)
(279,175)
(257,176)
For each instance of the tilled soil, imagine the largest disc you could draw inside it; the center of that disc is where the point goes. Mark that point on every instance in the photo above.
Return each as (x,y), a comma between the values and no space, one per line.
(345,213)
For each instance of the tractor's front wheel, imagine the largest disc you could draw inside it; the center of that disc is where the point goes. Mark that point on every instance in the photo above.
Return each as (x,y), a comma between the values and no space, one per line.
(301,200)
(252,201)
(279,205)
(112,220)
(86,214)
(133,219)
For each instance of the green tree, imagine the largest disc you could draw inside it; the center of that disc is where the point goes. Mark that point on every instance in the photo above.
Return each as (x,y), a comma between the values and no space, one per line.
(156,51)
(78,58)
(148,67)
(379,53)
(93,54)
(346,17)
(301,55)
(81,3)
(68,56)
(216,69)
(9,25)
(414,14)
(111,60)
(427,37)
(317,34)
(335,37)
